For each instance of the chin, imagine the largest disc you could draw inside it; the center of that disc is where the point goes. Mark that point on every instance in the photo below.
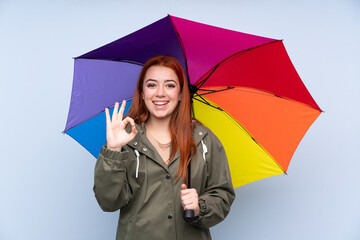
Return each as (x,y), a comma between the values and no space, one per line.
(162,116)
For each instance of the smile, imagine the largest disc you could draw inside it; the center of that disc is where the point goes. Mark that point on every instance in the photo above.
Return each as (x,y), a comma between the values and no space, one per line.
(160,103)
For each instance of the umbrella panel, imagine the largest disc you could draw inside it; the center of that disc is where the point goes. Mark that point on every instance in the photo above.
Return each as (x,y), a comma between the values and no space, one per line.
(91,134)
(158,38)
(205,46)
(248,161)
(277,124)
(99,84)
(267,67)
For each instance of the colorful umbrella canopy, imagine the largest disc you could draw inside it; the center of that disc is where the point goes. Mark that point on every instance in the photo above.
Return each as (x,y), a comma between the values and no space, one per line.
(248,92)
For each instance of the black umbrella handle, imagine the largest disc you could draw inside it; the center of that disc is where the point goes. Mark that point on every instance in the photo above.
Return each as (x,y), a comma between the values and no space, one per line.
(189,214)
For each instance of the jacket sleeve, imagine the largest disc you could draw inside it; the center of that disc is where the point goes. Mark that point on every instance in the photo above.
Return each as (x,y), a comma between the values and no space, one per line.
(219,192)
(111,186)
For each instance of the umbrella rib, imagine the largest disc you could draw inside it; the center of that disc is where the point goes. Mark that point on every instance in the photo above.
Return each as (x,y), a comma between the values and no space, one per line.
(209,91)
(229,58)
(203,100)
(93,116)
(199,84)
(258,91)
(182,47)
(242,128)
(79,143)
(264,92)
(115,60)
(129,61)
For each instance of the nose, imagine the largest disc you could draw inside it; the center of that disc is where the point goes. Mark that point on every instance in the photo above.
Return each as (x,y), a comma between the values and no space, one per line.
(160,91)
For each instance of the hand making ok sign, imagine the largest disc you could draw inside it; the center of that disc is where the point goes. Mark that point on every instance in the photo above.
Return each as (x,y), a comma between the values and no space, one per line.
(116,135)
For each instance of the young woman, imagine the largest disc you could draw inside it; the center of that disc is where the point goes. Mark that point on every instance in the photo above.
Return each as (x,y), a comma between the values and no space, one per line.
(142,170)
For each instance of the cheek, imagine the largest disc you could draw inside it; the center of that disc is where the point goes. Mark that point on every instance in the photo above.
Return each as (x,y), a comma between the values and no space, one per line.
(174,95)
(178,95)
(146,95)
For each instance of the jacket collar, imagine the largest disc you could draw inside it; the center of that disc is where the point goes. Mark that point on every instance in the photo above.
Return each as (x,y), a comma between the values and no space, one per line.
(143,145)
(199,132)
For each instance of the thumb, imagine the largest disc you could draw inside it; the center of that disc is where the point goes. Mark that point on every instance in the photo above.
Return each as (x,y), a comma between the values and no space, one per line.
(183,187)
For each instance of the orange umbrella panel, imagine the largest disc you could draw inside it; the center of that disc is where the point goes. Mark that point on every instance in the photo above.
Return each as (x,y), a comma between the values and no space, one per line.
(276,125)
(248,161)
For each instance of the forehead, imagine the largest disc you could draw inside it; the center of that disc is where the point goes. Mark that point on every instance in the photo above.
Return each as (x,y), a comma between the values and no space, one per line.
(160,73)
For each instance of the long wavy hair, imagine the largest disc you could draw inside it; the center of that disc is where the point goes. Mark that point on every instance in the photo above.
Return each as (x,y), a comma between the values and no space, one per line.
(180,122)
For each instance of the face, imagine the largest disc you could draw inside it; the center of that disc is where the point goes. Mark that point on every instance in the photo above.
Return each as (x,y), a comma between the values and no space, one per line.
(161,92)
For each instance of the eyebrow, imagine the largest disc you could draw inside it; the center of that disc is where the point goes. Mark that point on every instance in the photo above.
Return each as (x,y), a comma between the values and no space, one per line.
(154,80)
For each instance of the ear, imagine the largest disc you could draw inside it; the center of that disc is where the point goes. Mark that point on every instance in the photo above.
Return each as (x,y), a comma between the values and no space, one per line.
(180,97)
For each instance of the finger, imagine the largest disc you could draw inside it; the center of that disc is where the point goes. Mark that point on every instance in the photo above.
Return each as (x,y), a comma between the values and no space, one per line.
(108,121)
(188,196)
(133,127)
(115,112)
(190,200)
(183,190)
(190,206)
(187,191)
(122,109)
(188,203)
(133,130)
(186,207)
(128,120)
(184,193)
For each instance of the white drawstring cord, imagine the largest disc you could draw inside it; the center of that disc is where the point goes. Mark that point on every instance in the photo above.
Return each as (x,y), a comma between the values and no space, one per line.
(137,163)
(205,150)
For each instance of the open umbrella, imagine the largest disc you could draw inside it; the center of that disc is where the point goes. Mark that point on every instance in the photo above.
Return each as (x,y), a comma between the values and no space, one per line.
(245,89)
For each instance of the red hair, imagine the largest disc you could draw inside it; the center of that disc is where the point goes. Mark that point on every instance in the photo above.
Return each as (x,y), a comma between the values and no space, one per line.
(180,123)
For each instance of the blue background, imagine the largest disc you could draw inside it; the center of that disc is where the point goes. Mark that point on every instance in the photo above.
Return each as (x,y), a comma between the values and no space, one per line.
(46,177)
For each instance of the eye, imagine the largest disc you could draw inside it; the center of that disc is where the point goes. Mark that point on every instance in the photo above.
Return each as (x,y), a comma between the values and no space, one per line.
(150,85)
(171,85)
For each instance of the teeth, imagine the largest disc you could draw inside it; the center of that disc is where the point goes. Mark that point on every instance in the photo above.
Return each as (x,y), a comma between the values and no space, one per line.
(160,103)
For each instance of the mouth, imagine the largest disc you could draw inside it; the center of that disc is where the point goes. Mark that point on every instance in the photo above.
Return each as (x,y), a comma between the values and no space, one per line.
(160,103)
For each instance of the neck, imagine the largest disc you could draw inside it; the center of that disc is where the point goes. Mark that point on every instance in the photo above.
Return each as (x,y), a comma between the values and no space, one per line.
(159,129)
(158,124)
